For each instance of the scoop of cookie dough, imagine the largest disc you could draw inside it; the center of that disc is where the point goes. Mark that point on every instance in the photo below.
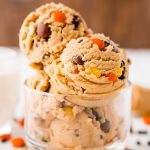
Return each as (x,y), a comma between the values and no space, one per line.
(89,65)
(46,31)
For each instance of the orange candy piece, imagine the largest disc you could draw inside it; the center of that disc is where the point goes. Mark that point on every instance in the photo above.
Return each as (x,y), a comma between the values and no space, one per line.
(21,122)
(5,137)
(147,120)
(99,42)
(111,77)
(60,17)
(18,142)
(75,71)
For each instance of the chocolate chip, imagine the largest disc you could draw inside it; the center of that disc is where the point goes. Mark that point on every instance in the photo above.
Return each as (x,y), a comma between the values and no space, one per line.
(101,136)
(80,41)
(76,132)
(148,143)
(46,56)
(4,140)
(122,77)
(97,116)
(76,21)
(77,60)
(129,61)
(43,30)
(106,43)
(122,63)
(44,140)
(62,104)
(138,143)
(131,130)
(105,127)
(142,132)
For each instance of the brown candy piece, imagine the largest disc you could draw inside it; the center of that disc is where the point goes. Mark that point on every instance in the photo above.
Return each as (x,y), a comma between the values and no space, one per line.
(43,30)
(105,127)
(77,60)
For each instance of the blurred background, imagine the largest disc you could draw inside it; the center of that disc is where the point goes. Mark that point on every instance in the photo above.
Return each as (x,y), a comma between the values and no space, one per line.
(127,22)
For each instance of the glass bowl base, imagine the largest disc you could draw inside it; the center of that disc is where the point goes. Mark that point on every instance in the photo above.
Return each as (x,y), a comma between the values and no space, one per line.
(33,145)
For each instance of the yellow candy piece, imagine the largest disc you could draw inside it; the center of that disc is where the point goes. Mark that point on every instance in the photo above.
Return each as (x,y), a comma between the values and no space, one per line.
(119,72)
(96,72)
(68,110)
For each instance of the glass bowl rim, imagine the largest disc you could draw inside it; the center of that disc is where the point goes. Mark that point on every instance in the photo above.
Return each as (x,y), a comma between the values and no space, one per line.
(121,89)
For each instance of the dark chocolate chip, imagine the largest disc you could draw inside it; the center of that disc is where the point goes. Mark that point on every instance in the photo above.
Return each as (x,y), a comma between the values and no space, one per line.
(97,116)
(106,43)
(4,140)
(76,21)
(101,136)
(43,30)
(122,63)
(80,41)
(129,61)
(148,143)
(44,140)
(62,104)
(142,132)
(76,132)
(77,60)
(89,112)
(122,77)
(131,130)
(138,143)
(105,127)
(45,56)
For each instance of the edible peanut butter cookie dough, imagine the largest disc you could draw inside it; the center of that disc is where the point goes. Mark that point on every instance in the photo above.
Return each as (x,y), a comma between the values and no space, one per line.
(39,81)
(63,125)
(46,31)
(89,65)
(74,100)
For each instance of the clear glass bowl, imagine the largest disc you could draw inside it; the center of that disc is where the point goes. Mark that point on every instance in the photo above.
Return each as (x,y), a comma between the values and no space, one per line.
(71,122)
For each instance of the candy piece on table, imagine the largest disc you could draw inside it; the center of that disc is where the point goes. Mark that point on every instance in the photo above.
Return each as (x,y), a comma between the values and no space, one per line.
(18,142)
(60,17)
(5,137)
(68,110)
(21,122)
(99,42)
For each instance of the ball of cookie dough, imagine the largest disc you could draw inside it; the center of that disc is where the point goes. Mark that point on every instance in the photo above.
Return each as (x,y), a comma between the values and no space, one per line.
(46,31)
(90,65)
(91,128)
